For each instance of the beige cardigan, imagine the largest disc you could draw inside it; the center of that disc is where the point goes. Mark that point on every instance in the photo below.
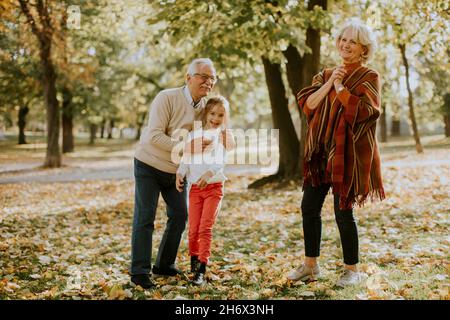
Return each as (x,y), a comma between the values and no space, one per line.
(169,111)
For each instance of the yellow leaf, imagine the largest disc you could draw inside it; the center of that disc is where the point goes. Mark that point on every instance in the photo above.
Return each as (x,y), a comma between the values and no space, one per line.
(117,292)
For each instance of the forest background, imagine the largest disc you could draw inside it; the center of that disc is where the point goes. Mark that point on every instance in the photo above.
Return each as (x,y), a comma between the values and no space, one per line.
(76,82)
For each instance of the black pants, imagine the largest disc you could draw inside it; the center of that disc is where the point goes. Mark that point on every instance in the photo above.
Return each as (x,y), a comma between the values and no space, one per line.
(312,202)
(150,183)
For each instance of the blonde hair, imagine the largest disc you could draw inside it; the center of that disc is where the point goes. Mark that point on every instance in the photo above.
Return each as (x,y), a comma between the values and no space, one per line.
(211,103)
(363,35)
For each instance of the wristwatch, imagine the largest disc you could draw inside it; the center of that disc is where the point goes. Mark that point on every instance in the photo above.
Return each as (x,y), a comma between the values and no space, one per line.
(340,88)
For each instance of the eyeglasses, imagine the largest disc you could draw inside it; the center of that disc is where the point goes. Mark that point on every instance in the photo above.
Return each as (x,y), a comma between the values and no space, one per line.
(206,77)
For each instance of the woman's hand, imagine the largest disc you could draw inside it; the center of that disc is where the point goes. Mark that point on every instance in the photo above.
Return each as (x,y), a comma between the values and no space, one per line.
(179,182)
(315,99)
(337,76)
(203,181)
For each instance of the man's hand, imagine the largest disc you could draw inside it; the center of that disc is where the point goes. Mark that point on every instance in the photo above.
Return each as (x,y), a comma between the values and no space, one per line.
(203,181)
(179,182)
(197,145)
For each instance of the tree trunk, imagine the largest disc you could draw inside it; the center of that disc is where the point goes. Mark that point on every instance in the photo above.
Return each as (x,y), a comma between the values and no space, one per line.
(67,121)
(138,132)
(295,71)
(288,143)
(93,132)
(102,128)
(110,129)
(447,114)
(23,111)
(447,125)
(383,123)
(301,70)
(139,124)
(412,116)
(312,60)
(395,129)
(53,156)
(44,36)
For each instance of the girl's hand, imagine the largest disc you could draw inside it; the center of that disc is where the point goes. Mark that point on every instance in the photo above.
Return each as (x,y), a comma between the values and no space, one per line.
(203,180)
(205,143)
(226,138)
(179,182)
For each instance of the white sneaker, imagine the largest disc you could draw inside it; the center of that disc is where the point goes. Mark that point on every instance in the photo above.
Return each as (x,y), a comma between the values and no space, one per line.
(304,273)
(349,278)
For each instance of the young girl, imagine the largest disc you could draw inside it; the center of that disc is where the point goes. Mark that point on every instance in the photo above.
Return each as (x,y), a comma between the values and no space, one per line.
(204,171)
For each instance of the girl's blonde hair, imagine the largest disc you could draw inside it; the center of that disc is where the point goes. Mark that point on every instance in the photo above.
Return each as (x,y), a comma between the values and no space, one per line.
(363,35)
(213,101)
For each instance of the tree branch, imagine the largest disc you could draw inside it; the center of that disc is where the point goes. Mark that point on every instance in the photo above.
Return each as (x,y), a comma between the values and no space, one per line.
(41,12)
(30,19)
(44,17)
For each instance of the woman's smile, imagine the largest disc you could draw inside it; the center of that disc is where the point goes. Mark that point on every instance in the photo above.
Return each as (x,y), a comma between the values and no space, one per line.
(349,50)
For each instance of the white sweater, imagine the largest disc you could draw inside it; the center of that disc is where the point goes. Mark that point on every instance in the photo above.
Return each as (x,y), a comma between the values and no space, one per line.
(213,158)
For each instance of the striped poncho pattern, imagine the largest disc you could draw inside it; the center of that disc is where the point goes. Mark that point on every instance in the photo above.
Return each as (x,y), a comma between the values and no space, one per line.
(341,146)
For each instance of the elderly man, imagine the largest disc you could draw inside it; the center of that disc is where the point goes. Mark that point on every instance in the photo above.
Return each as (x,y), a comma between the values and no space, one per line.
(154,172)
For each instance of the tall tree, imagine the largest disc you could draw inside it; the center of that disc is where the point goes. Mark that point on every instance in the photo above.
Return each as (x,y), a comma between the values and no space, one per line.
(412,116)
(446,113)
(436,68)
(301,69)
(40,22)
(67,116)
(19,77)
(409,25)
(78,60)
(282,120)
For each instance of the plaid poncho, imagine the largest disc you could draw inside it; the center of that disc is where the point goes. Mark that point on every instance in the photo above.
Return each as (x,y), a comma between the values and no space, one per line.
(341,146)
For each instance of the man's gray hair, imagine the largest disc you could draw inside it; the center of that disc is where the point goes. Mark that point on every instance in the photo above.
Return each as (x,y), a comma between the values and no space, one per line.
(193,67)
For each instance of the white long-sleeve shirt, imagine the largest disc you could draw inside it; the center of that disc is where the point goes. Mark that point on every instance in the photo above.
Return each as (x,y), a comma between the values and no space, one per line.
(213,158)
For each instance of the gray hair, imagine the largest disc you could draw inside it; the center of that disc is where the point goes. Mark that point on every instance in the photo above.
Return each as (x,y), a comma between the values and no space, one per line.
(363,35)
(193,67)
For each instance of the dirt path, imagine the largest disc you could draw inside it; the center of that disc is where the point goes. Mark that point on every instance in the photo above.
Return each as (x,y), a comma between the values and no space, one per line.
(99,170)
(121,167)
(31,172)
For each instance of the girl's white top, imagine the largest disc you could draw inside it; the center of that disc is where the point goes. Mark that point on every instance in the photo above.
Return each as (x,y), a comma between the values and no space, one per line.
(213,158)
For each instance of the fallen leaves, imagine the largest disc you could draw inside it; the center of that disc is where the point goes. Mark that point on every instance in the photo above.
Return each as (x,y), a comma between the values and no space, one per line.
(44,260)
(116,292)
(76,245)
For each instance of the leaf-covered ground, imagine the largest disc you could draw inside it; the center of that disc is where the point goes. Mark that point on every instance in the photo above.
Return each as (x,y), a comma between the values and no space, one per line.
(72,240)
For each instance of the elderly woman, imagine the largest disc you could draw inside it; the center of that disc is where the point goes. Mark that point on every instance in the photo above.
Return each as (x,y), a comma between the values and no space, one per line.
(341,107)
